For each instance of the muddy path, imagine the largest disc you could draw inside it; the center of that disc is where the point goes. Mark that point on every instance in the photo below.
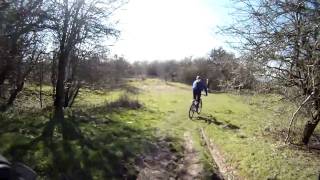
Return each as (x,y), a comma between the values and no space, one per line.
(161,163)
(165,163)
(190,167)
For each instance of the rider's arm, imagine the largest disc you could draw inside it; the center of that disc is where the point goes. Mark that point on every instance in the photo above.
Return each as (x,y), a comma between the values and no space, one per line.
(193,84)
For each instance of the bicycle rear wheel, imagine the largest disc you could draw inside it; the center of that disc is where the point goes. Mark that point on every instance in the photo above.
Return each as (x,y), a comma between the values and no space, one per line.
(199,107)
(191,110)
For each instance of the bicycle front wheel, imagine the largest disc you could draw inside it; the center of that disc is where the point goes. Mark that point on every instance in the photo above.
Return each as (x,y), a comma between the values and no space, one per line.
(191,111)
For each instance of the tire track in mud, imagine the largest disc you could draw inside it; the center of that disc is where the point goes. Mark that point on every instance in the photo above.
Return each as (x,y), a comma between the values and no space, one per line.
(225,171)
(190,167)
(164,163)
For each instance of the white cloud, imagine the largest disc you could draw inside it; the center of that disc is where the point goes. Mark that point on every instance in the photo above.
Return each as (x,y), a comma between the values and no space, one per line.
(167,29)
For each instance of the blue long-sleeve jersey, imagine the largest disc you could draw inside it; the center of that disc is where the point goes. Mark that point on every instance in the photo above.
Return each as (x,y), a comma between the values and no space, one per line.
(199,86)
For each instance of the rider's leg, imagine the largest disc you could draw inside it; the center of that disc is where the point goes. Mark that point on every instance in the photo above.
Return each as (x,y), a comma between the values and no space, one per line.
(198,95)
(194,95)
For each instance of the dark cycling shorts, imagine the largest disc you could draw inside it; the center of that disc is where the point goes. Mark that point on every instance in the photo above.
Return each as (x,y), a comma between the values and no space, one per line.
(196,95)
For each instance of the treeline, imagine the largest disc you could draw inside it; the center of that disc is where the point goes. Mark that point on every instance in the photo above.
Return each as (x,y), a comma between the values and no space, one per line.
(222,69)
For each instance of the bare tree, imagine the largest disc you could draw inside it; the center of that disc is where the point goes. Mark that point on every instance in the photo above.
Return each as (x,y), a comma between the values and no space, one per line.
(20,44)
(284,37)
(76,24)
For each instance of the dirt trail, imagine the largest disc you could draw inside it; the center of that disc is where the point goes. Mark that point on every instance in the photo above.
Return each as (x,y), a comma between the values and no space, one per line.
(191,167)
(163,163)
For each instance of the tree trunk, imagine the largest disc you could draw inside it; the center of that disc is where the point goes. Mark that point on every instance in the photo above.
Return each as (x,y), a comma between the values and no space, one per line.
(75,94)
(309,128)
(10,59)
(40,87)
(311,125)
(53,77)
(14,94)
(59,96)
(58,114)
(66,96)
(4,74)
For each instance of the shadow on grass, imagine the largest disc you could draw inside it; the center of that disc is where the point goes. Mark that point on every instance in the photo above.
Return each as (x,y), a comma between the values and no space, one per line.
(123,103)
(209,119)
(176,86)
(23,122)
(295,141)
(98,149)
(120,84)
(126,87)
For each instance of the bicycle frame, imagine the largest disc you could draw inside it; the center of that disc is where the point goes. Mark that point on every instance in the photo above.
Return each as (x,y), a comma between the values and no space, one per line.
(195,107)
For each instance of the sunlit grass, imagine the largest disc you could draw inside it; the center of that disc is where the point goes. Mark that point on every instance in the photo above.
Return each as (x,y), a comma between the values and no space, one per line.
(247,130)
(253,149)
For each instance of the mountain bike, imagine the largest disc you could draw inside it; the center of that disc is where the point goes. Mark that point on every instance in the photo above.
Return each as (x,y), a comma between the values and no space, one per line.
(195,107)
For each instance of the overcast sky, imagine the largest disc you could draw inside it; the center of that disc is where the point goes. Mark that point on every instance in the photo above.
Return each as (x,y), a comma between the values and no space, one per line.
(170,29)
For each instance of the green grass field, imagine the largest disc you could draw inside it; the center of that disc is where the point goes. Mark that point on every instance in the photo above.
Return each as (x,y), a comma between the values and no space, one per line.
(248,129)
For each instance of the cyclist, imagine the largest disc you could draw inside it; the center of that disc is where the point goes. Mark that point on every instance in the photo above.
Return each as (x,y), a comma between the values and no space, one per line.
(198,86)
